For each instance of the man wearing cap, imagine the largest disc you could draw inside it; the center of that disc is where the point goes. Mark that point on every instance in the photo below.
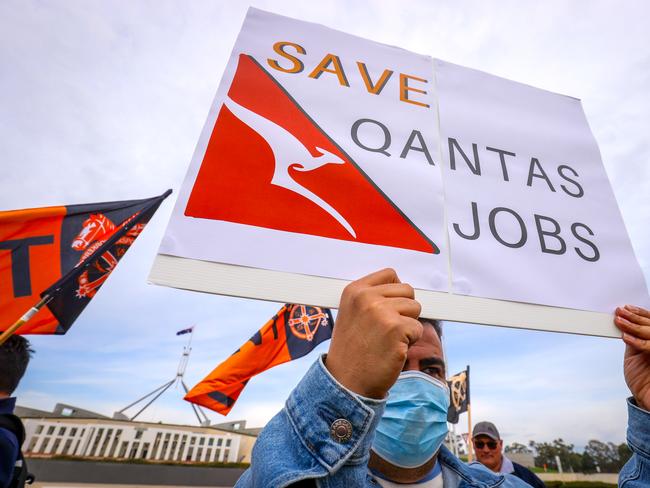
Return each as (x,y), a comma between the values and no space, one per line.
(488,447)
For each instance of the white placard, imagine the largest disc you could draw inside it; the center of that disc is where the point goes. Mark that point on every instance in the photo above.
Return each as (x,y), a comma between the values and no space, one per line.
(326,156)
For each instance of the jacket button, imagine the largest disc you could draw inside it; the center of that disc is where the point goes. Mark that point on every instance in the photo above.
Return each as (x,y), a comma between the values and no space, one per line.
(341,430)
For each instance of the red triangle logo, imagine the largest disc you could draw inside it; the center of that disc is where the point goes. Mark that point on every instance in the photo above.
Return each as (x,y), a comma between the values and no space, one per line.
(269,164)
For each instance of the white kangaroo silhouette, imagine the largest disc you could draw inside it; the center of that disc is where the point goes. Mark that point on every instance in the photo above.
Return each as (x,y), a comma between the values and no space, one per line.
(289,152)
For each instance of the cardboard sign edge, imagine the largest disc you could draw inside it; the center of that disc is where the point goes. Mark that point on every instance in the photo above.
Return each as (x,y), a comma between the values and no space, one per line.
(278,286)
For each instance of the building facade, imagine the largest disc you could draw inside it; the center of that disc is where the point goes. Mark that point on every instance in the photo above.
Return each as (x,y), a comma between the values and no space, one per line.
(67,432)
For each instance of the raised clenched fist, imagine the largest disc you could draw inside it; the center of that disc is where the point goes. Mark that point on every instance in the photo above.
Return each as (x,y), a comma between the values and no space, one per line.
(376,324)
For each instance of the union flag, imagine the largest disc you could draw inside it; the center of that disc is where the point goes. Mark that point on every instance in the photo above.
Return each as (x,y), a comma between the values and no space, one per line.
(268,163)
(290,334)
(458,395)
(66,253)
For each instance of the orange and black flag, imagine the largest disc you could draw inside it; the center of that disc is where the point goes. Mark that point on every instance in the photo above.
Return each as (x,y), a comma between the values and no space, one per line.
(65,253)
(292,333)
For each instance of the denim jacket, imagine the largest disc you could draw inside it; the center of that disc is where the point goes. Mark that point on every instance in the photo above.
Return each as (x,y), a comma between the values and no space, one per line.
(636,473)
(297,447)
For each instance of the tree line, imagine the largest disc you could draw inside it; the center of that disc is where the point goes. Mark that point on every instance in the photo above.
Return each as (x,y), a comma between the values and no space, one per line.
(597,456)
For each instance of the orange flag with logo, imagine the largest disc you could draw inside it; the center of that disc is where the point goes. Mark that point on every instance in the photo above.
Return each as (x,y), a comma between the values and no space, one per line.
(67,252)
(290,334)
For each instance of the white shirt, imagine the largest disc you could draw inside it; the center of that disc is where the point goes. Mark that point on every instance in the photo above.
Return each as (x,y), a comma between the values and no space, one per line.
(506,466)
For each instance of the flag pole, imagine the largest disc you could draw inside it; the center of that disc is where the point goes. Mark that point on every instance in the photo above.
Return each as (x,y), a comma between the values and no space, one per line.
(24,319)
(470,443)
(454,443)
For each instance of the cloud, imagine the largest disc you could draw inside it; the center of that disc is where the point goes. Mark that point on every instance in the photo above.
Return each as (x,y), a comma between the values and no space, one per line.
(106,102)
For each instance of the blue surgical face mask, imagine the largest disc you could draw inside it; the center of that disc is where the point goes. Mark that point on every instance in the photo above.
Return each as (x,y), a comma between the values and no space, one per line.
(414,424)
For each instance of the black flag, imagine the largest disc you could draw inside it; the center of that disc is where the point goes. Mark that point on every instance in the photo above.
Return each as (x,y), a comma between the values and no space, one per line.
(74,290)
(459,395)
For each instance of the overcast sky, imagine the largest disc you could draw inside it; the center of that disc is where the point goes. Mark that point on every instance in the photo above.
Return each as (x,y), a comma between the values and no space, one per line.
(104,101)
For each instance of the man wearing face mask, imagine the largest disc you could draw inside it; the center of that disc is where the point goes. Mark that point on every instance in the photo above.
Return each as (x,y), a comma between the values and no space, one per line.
(414,423)
(372,412)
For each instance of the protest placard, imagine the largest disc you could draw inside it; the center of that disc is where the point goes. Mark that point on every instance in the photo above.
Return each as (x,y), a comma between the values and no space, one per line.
(326,156)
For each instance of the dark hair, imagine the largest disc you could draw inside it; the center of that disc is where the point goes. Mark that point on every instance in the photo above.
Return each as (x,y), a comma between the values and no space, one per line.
(437,326)
(14,357)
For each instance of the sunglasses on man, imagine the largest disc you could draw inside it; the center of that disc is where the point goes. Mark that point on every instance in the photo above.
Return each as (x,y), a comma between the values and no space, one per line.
(481,444)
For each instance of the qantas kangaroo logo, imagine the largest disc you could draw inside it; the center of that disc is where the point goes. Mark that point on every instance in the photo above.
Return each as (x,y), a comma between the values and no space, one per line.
(289,152)
(269,164)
